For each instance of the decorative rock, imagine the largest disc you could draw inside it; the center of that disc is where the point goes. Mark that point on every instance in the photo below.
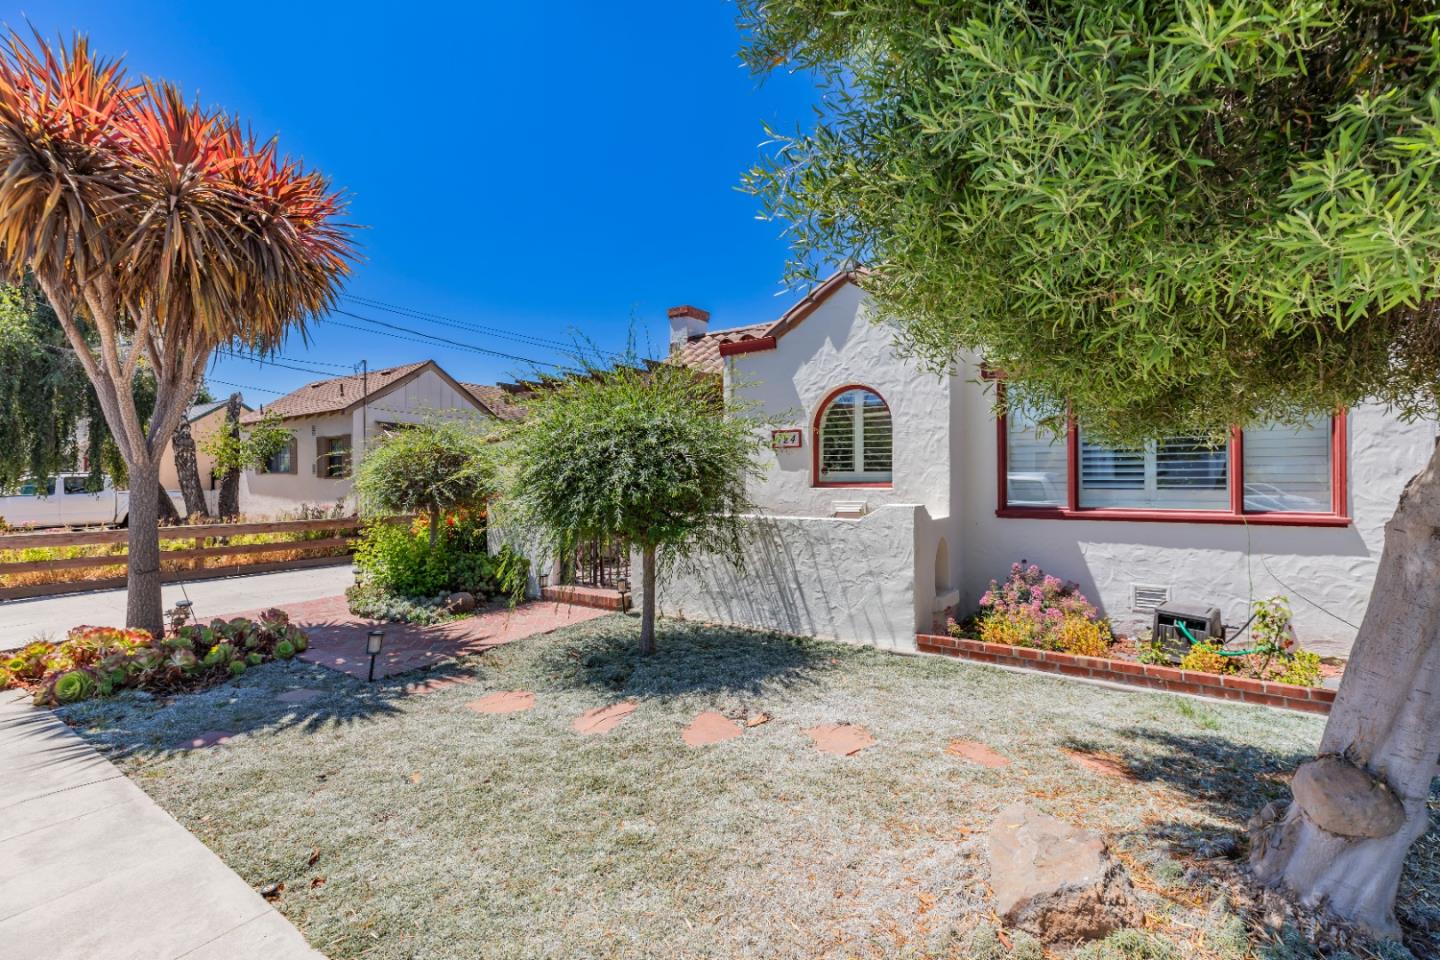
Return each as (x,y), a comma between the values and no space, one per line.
(976,752)
(709,728)
(1057,881)
(603,719)
(460,602)
(1340,798)
(841,739)
(503,701)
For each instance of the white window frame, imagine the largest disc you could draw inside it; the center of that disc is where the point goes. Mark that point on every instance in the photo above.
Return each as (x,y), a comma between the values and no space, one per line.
(857,426)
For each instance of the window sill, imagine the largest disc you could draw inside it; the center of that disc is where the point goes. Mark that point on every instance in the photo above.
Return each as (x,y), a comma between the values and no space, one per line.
(1177,516)
(857,484)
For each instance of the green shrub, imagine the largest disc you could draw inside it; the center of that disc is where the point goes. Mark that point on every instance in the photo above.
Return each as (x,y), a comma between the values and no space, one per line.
(398,565)
(99,661)
(1301,668)
(377,603)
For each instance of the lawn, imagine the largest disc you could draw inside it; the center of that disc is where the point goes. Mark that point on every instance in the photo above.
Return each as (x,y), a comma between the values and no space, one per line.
(406,826)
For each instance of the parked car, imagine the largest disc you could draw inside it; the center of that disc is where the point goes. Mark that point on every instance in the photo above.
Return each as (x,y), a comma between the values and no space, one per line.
(64,501)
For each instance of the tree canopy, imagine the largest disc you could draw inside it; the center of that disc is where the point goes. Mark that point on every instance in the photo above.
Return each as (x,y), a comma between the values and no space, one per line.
(649,456)
(1172,216)
(430,468)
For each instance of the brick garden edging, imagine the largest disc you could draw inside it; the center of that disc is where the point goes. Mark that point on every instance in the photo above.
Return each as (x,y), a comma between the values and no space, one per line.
(597,597)
(1240,689)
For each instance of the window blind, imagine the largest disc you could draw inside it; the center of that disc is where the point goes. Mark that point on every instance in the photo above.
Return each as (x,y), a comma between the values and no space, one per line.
(1177,473)
(856,438)
(1035,463)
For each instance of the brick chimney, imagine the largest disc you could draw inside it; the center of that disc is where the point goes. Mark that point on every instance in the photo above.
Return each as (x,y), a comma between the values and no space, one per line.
(686,323)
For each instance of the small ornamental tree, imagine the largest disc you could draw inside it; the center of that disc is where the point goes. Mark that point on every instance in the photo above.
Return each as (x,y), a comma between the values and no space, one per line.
(652,458)
(234,450)
(1174,217)
(431,468)
(157,230)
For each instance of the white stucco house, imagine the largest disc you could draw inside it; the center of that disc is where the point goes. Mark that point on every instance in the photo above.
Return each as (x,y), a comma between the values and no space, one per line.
(893,496)
(332,422)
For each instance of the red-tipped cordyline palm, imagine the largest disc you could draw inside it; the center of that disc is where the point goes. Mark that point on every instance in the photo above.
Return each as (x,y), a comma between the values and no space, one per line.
(158,230)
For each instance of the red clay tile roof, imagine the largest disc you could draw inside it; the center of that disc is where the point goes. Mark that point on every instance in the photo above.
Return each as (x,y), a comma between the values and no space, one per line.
(703,353)
(497,400)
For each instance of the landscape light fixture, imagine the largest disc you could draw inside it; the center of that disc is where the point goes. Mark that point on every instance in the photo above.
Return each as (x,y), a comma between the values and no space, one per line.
(373,642)
(623,585)
(544,580)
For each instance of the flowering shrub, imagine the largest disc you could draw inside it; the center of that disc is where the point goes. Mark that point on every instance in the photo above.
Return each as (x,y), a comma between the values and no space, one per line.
(1205,657)
(100,661)
(1034,609)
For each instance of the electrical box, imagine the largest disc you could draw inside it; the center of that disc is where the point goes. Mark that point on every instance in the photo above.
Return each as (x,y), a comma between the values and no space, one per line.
(1202,623)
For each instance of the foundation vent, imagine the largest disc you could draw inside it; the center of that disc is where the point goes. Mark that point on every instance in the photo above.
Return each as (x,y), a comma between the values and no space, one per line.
(1144,598)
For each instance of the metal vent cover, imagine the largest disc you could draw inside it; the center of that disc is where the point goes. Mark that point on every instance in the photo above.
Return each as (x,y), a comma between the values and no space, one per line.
(1144,598)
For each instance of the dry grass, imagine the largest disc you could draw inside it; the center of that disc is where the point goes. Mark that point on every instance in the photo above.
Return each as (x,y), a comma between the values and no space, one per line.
(408,827)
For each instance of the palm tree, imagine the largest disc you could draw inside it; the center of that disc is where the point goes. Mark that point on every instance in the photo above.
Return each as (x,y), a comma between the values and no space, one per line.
(166,230)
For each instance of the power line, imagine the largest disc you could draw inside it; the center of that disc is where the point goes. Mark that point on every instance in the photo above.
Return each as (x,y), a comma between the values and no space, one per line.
(241,386)
(431,339)
(275,363)
(458,325)
(271,357)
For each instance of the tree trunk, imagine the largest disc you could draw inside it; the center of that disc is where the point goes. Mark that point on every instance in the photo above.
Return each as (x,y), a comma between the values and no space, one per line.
(183,447)
(143,609)
(1386,724)
(164,506)
(647,602)
(230,482)
(434,524)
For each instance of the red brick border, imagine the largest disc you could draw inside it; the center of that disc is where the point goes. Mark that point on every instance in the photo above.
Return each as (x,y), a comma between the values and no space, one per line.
(1239,689)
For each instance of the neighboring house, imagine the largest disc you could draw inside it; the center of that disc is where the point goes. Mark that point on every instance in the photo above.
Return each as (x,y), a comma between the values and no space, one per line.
(893,496)
(204,420)
(333,421)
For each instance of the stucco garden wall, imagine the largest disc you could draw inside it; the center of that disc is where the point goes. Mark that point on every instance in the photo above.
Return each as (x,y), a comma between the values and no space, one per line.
(1320,569)
(851,580)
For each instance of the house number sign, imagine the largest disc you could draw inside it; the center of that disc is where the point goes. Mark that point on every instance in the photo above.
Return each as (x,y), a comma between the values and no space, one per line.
(785,439)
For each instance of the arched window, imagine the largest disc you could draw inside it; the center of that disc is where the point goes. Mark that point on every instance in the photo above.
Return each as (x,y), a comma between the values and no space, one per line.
(853,438)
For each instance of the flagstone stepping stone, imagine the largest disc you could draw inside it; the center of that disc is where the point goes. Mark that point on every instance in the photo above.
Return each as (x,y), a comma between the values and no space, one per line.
(976,752)
(503,701)
(841,739)
(709,728)
(1106,765)
(209,738)
(301,695)
(603,719)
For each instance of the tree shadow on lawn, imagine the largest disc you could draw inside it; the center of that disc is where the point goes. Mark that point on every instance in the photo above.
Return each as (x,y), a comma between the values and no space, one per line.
(1228,782)
(690,658)
(140,724)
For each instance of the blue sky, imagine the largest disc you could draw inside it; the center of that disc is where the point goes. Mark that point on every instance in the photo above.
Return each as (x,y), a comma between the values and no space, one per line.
(529,168)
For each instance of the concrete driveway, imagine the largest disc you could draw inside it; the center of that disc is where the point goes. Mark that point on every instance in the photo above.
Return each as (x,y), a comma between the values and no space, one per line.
(23,620)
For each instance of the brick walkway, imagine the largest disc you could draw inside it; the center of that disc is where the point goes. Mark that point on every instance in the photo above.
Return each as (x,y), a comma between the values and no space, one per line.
(337,637)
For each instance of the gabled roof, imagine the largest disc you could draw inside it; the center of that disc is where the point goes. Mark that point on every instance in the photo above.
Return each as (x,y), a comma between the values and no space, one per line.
(707,353)
(496,400)
(336,394)
(703,353)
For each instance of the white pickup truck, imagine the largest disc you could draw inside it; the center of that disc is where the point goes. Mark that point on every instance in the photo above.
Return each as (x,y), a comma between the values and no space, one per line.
(63,501)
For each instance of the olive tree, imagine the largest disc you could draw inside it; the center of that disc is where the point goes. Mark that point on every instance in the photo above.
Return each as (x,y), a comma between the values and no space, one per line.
(157,229)
(1172,217)
(430,468)
(651,457)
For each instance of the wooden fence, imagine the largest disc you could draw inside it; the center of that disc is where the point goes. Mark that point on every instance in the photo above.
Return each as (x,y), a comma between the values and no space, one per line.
(331,549)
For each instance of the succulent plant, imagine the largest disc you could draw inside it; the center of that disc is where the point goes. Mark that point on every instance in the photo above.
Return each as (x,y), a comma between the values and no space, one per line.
(219,655)
(73,686)
(284,649)
(254,659)
(300,641)
(182,661)
(237,667)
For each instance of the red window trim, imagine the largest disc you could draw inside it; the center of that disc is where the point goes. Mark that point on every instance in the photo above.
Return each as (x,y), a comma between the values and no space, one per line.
(815,480)
(1339,493)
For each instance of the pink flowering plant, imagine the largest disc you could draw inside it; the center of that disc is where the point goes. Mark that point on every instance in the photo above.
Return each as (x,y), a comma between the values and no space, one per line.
(1034,609)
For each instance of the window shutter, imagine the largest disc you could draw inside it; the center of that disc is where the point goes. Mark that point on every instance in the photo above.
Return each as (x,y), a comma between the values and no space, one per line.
(876,433)
(1287,470)
(837,436)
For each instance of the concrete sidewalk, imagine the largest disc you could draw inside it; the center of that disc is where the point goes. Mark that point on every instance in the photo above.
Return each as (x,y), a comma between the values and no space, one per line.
(23,620)
(91,867)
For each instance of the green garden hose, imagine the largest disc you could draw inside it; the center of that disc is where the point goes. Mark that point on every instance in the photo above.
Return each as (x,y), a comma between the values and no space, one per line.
(1223,652)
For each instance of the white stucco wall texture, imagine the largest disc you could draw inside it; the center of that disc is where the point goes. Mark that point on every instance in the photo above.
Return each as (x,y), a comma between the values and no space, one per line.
(867,581)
